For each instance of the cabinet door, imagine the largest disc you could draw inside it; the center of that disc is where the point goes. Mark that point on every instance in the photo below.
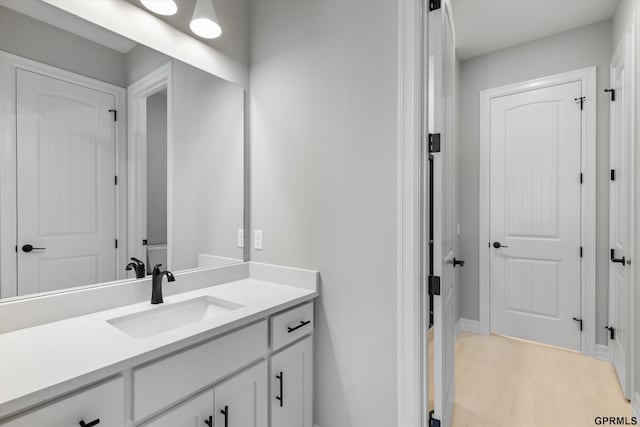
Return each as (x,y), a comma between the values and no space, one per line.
(195,412)
(102,406)
(291,386)
(241,401)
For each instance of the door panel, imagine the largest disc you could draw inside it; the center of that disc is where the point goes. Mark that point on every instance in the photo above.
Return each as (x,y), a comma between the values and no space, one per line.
(443,197)
(535,215)
(66,192)
(621,199)
(241,401)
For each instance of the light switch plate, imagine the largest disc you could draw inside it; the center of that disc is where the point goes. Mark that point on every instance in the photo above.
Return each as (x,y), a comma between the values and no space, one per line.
(258,240)
(240,238)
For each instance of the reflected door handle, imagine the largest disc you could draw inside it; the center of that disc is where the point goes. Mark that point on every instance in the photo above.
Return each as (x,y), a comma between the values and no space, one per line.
(28,248)
(457,262)
(89,424)
(622,260)
(499,245)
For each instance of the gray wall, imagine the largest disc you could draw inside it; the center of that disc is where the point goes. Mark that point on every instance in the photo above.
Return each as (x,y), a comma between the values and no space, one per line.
(324,84)
(207,161)
(571,50)
(157,168)
(621,21)
(33,39)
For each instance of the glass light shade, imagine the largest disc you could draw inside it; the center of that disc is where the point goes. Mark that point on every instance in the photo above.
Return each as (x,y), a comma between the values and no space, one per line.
(161,7)
(205,21)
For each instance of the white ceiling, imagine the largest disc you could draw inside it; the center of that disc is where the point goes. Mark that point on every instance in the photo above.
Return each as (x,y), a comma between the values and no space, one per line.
(482,26)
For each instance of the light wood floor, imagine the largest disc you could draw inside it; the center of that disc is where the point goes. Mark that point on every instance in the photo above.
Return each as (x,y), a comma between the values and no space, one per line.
(501,382)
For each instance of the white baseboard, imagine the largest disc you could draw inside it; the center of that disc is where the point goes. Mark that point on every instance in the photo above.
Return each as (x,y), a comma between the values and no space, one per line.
(602,352)
(457,329)
(635,405)
(467,325)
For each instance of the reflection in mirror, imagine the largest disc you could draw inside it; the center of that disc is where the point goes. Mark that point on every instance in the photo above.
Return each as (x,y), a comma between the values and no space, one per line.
(109,147)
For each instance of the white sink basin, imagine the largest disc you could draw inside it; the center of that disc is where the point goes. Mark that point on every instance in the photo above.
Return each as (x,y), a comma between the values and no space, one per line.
(167,317)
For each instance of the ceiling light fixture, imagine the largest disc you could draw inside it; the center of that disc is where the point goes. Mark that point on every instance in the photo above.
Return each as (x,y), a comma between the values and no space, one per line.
(161,7)
(205,21)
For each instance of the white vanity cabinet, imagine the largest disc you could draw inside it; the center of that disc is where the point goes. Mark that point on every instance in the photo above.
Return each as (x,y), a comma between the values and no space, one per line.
(98,406)
(253,376)
(292,386)
(242,400)
(192,413)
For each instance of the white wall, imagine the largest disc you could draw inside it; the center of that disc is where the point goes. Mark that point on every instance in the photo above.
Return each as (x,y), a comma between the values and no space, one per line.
(157,169)
(324,84)
(571,50)
(33,39)
(207,162)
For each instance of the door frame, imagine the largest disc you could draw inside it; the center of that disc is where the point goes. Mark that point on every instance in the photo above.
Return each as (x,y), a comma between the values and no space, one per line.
(588,78)
(9,64)
(137,94)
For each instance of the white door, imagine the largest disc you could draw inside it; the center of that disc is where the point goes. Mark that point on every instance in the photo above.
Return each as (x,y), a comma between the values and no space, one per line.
(66,190)
(621,203)
(241,401)
(535,215)
(291,386)
(443,196)
(195,412)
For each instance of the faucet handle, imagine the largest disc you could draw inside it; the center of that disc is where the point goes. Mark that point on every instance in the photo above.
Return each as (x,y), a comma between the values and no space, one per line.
(137,261)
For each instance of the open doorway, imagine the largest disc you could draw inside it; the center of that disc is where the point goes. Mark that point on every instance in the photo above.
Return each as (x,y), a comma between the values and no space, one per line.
(544,113)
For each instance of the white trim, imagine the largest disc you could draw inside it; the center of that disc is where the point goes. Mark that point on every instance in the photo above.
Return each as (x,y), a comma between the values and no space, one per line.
(588,210)
(411,327)
(9,63)
(635,405)
(136,24)
(602,352)
(457,329)
(138,93)
(471,326)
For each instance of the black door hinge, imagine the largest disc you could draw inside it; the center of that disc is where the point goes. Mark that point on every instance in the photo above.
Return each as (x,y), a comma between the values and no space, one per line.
(434,143)
(613,174)
(581,251)
(612,92)
(434,285)
(579,322)
(433,422)
(612,332)
(116,243)
(581,177)
(434,5)
(115,114)
(115,180)
(581,101)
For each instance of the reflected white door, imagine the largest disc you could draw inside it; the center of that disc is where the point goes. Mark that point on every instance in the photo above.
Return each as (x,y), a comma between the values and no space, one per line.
(441,52)
(621,204)
(66,190)
(535,215)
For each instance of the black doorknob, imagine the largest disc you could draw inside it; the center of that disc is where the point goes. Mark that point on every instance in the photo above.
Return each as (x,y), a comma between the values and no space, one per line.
(29,248)
(499,245)
(457,262)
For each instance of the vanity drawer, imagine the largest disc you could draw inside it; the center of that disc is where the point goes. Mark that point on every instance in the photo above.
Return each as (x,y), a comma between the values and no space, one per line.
(104,402)
(167,381)
(291,325)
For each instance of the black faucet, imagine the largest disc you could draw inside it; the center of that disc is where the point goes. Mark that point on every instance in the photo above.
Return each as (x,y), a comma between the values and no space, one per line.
(139,267)
(156,289)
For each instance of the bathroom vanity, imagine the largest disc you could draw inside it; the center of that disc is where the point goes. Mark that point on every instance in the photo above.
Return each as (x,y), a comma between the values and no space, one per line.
(236,354)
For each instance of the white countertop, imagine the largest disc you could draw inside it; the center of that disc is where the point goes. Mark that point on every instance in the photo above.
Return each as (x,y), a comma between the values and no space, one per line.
(44,361)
